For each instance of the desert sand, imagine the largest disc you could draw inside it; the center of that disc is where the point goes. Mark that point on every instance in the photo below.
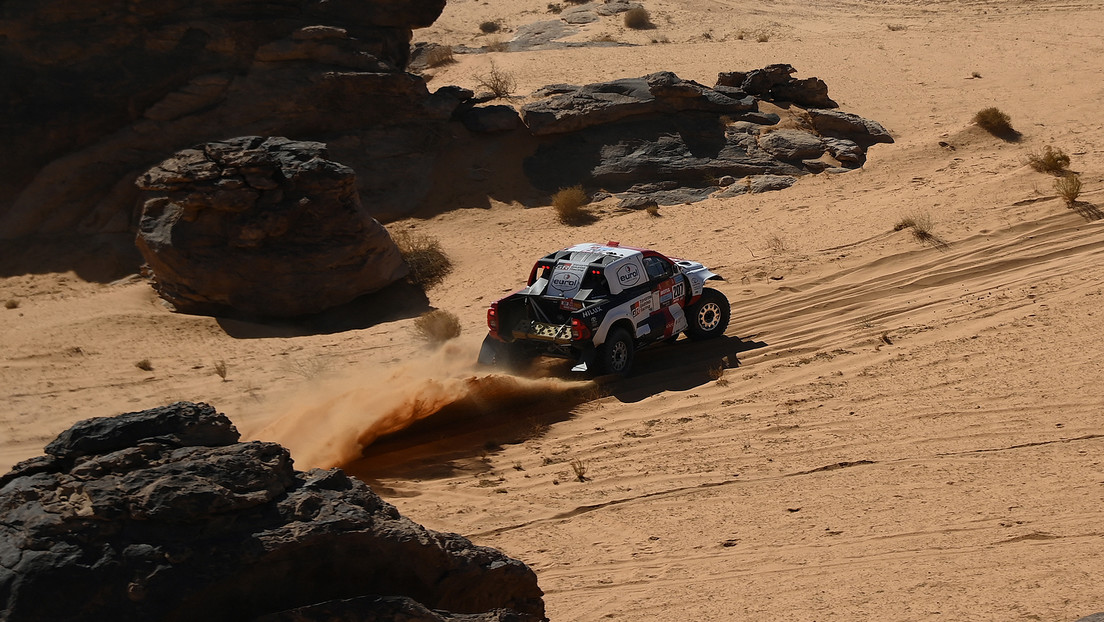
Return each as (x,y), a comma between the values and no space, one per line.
(907,430)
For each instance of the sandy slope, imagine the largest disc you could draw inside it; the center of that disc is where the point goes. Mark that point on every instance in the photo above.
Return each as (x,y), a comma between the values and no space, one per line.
(913,431)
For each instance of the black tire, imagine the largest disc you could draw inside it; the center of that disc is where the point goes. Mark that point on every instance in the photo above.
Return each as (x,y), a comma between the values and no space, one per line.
(708,317)
(506,356)
(615,356)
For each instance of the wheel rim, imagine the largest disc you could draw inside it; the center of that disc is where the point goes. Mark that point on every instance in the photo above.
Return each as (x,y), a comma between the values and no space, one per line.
(709,316)
(619,355)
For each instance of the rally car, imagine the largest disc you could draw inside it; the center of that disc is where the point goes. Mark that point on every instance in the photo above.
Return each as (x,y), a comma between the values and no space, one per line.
(598,304)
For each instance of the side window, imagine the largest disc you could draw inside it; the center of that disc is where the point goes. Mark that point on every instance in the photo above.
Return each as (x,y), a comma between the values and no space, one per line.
(657,268)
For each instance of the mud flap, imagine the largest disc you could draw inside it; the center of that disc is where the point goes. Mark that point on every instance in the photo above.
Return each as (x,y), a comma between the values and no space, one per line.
(588,359)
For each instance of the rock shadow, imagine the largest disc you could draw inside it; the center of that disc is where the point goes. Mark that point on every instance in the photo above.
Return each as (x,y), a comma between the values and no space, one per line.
(395,302)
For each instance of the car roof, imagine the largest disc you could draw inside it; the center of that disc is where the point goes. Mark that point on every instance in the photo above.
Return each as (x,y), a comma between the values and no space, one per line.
(580,252)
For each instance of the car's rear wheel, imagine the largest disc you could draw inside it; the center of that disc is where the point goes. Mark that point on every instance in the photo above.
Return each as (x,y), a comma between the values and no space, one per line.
(615,356)
(708,317)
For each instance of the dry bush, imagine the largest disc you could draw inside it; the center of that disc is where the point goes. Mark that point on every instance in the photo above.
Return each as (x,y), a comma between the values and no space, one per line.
(555,8)
(144,365)
(896,27)
(496,45)
(437,326)
(776,243)
(638,19)
(921,225)
(497,81)
(440,55)
(717,374)
(763,36)
(11,303)
(996,122)
(579,468)
(570,205)
(653,211)
(1051,160)
(1069,188)
(429,265)
(220,369)
(489,26)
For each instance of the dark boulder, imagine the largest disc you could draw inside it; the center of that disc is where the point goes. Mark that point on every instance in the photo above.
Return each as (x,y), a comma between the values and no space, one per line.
(836,124)
(490,119)
(165,517)
(265,227)
(96,92)
(776,83)
(607,102)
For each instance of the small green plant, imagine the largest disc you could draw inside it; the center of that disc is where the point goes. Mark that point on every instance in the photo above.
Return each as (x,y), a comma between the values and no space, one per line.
(220,369)
(638,18)
(11,303)
(579,468)
(437,326)
(498,82)
(1069,188)
(429,265)
(1051,160)
(144,365)
(489,26)
(996,122)
(570,205)
(440,55)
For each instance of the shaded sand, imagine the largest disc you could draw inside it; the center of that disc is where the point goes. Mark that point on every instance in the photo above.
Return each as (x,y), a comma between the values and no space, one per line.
(914,430)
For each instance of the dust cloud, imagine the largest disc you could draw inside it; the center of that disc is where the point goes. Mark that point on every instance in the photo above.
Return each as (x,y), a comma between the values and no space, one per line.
(331,422)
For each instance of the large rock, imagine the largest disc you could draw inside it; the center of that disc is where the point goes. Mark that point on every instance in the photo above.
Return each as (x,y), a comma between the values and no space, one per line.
(266,227)
(95,92)
(164,516)
(606,102)
(776,83)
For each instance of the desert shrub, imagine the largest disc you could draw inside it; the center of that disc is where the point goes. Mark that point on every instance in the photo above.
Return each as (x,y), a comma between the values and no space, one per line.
(994,121)
(437,326)
(220,369)
(653,211)
(762,36)
(144,365)
(440,55)
(429,265)
(921,225)
(1051,160)
(638,18)
(11,303)
(896,27)
(717,374)
(570,205)
(579,468)
(489,26)
(498,82)
(1068,187)
(555,8)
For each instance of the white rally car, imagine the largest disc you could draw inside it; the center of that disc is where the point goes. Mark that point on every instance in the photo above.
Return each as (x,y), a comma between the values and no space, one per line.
(598,304)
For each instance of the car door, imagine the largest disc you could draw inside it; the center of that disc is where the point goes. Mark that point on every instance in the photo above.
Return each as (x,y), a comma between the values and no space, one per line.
(668,286)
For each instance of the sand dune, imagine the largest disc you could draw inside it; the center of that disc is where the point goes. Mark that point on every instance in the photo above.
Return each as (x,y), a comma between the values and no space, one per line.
(914,428)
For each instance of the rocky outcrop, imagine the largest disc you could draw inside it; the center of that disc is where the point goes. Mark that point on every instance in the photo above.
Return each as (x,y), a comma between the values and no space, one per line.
(666,140)
(163,515)
(96,92)
(571,109)
(262,226)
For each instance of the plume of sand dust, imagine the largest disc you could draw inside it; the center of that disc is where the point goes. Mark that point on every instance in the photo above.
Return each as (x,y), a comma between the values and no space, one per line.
(330,423)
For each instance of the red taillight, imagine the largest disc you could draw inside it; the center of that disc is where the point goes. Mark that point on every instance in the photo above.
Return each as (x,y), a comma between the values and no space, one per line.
(492,318)
(579,331)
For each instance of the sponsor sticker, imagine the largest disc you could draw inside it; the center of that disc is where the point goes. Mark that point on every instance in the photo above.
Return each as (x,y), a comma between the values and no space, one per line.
(628,275)
(566,279)
(642,306)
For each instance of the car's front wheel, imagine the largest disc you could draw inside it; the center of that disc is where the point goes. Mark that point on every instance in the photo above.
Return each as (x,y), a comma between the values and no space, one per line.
(708,317)
(615,356)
